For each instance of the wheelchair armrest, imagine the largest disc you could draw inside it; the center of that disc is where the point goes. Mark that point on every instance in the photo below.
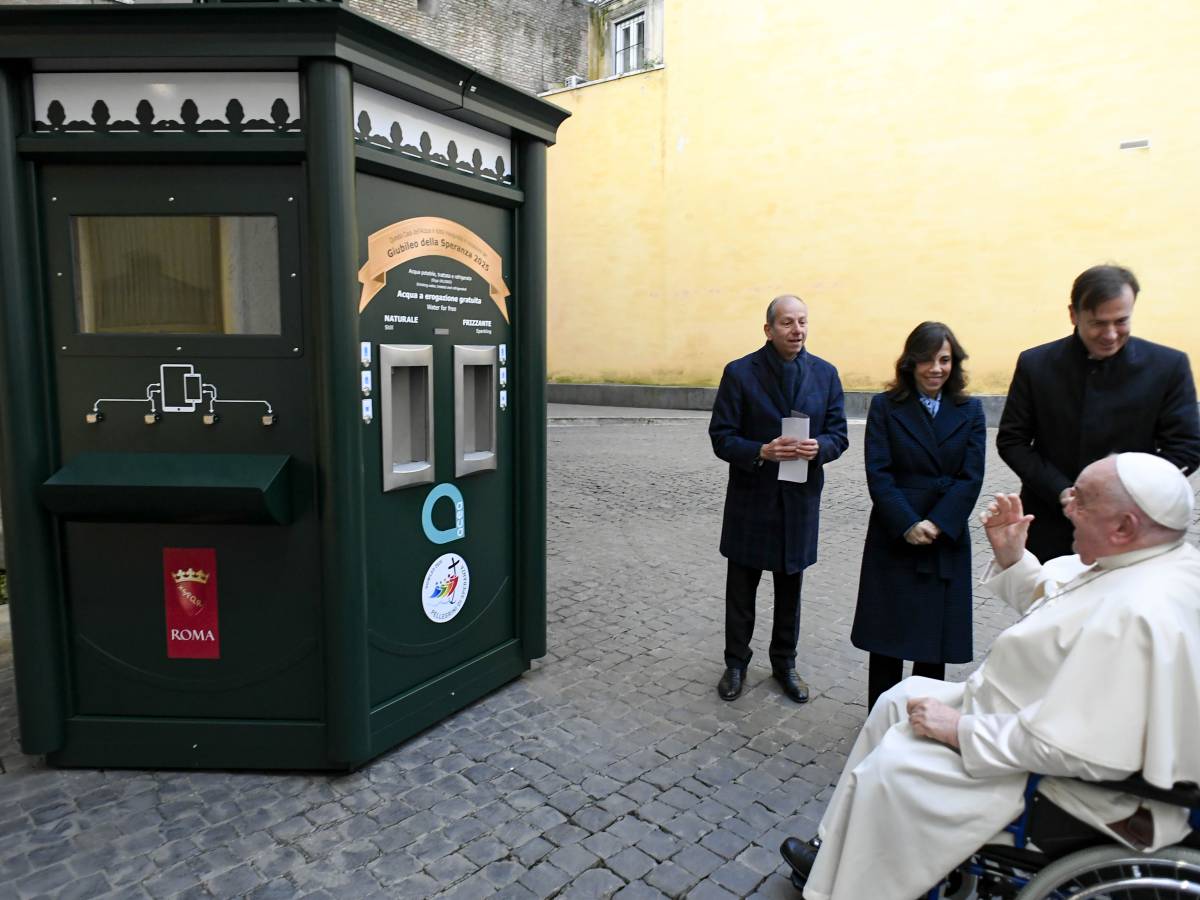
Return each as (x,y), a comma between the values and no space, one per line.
(1184,793)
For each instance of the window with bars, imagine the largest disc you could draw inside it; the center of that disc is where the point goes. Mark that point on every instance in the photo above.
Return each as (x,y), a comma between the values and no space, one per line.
(629,43)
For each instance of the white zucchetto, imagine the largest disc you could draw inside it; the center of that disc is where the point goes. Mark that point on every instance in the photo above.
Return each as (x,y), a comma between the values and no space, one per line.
(1159,489)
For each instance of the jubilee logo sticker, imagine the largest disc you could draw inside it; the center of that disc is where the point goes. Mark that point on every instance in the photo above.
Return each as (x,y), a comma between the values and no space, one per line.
(444,591)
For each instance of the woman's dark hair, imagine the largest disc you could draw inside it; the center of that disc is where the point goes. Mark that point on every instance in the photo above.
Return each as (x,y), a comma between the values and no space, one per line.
(925,341)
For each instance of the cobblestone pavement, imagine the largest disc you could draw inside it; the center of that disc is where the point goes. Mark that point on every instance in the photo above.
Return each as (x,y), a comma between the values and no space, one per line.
(610,769)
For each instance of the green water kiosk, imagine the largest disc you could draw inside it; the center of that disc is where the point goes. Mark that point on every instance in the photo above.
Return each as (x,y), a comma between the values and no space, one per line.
(272,324)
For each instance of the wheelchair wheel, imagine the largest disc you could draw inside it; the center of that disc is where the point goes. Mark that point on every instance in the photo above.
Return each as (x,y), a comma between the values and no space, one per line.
(963,888)
(1113,872)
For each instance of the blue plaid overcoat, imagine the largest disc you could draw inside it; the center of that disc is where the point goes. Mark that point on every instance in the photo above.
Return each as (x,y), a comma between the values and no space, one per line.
(771,524)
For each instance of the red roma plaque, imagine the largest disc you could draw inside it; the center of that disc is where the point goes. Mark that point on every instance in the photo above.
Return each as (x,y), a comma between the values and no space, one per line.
(190,585)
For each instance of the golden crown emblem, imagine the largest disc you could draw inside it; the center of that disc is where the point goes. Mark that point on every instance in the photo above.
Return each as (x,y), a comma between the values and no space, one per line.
(197,575)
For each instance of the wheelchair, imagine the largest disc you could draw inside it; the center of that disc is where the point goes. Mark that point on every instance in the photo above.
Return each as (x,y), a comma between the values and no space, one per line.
(1054,856)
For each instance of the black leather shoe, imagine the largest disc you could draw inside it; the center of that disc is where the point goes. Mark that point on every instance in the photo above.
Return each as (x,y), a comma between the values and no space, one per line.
(730,685)
(793,685)
(800,856)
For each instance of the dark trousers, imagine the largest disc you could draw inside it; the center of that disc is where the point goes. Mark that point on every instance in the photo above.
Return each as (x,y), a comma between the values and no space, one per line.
(885,672)
(741,587)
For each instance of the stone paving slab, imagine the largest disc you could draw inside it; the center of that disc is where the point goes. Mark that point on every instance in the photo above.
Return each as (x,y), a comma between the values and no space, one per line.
(611,769)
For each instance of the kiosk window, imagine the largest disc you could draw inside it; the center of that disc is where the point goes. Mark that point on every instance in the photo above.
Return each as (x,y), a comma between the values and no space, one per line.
(177,274)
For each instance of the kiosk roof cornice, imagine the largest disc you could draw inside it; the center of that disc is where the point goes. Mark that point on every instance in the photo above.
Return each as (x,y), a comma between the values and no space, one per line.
(268,36)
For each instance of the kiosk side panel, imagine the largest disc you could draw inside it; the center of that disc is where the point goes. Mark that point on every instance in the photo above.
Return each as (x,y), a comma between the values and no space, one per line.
(187,481)
(436,326)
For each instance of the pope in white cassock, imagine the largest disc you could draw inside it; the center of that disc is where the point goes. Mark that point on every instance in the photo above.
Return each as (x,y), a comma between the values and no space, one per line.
(1099,679)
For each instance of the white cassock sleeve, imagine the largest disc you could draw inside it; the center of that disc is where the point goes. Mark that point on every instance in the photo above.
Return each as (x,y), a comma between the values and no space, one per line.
(1000,744)
(1122,697)
(1027,581)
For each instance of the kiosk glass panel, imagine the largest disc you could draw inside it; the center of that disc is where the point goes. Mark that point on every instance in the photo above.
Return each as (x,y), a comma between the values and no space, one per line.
(177,274)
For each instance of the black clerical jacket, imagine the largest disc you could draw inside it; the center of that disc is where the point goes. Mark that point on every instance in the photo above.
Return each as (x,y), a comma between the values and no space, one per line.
(1065,411)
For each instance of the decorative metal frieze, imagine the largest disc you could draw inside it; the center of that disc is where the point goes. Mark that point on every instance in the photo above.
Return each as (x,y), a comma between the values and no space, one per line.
(167,102)
(396,125)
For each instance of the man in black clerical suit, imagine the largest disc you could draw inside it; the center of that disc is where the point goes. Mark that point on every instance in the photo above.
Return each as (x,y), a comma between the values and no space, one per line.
(1095,392)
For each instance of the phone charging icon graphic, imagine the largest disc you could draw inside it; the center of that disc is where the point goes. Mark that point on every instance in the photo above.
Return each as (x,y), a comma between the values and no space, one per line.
(180,387)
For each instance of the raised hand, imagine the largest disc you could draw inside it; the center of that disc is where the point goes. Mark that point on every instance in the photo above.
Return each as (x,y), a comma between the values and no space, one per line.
(1007,526)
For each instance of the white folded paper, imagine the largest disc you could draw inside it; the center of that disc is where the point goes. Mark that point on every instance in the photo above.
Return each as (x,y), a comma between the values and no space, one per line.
(795,426)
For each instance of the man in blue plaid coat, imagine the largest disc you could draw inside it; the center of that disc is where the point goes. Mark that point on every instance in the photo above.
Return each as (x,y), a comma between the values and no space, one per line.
(772,525)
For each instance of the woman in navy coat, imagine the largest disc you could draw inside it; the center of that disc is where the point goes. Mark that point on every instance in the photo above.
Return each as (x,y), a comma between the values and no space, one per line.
(924,447)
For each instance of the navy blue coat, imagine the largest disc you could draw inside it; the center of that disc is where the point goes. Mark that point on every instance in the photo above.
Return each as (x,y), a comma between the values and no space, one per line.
(771,524)
(914,602)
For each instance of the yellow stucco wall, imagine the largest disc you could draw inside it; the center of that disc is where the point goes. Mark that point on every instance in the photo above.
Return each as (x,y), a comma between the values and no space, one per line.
(890,162)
